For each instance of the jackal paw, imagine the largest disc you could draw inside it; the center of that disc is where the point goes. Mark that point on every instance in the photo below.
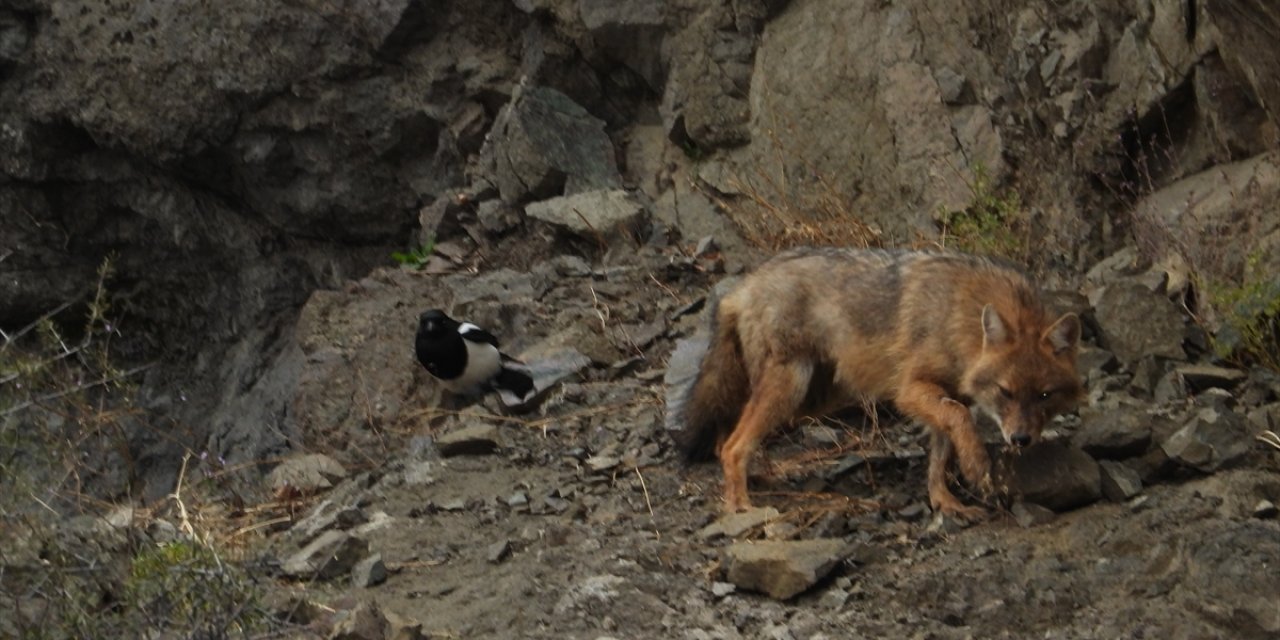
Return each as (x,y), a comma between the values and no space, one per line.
(736,504)
(950,506)
(967,514)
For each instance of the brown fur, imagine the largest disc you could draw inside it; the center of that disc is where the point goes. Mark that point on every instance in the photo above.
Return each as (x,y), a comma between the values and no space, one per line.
(816,330)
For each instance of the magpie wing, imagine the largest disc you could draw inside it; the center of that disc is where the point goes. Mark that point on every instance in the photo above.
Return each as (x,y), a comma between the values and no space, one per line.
(475,334)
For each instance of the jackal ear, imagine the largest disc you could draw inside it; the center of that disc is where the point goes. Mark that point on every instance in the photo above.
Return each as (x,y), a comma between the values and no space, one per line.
(994,330)
(1064,334)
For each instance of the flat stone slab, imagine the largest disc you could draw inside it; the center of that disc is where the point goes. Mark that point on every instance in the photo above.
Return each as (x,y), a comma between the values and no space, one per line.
(1199,377)
(783,569)
(471,440)
(735,524)
(308,473)
(598,214)
(332,554)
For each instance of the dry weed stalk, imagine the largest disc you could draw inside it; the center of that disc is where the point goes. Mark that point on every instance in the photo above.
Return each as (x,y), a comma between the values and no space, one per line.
(780,212)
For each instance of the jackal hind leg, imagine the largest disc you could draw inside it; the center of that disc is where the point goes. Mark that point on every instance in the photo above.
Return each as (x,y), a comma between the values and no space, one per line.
(776,396)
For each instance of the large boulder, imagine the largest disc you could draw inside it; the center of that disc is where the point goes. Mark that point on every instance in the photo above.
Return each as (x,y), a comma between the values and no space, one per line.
(543,144)
(1139,323)
(1249,31)
(165,79)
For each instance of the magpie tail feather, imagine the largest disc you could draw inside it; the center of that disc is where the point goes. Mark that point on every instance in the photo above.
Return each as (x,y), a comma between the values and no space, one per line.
(514,381)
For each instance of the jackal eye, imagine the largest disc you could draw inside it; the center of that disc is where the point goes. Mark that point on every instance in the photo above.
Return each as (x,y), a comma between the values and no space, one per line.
(1045,395)
(1005,392)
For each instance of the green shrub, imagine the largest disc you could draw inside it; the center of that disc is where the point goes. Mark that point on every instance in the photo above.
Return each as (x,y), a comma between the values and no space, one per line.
(992,224)
(416,258)
(1249,315)
(185,587)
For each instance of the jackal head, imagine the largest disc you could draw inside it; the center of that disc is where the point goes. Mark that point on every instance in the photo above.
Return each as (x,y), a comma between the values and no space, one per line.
(1026,373)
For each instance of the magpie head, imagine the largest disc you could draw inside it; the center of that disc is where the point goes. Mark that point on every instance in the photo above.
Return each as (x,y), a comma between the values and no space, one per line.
(435,322)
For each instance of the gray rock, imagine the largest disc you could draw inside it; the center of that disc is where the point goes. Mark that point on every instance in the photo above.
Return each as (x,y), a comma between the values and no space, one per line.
(1224,566)
(913,511)
(1119,481)
(1152,466)
(1214,437)
(782,569)
(473,439)
(1266,417)
(706,246)
(695,109)
(162,531)
(630,31)
(1199,377)
(307,473)
(597,589)
(1222,198)
(1120,433)
(601,463)
(364,622)
(249,57)
(1147,374)
(326,516)
(1117,267)
(1093,361)
(951,85)
(402,628)
(1244,26)
(543,144)
(733,525)
(369,572)
(420,473)
(498,551)
(1138,323)
(1265,509)
(1030,514)
(1055,476)
(421,449)
(844,465)
(821,435)
(606,215)
(498,285)
(496,216)
(781,530)
(1170,388)
(332,554)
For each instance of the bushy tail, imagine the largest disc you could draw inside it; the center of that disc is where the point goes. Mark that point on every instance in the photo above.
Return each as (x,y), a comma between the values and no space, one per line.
(718,394)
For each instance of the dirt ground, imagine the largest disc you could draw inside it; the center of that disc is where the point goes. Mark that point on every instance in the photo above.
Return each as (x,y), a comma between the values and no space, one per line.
(583,524)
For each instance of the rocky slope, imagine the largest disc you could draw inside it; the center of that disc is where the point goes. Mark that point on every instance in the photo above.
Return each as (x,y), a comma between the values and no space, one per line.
(250,169)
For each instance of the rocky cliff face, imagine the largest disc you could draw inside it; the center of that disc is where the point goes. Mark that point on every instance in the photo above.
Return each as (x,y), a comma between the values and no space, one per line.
(236,157)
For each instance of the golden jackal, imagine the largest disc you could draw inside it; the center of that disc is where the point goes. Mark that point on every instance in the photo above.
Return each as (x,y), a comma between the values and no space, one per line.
(815,330)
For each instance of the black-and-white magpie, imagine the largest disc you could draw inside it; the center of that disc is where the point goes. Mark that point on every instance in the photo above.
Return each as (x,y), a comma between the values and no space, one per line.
(466,359)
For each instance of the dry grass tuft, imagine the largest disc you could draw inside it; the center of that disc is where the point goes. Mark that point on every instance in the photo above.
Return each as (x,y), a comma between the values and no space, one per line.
(775,218)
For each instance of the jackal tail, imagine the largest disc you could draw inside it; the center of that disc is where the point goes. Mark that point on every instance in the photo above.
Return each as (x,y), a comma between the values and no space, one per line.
(719,392)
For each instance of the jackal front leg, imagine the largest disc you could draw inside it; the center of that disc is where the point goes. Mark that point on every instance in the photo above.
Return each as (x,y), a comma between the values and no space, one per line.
(953,435)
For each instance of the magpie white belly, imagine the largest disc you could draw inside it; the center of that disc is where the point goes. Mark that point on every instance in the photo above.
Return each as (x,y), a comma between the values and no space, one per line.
(483,363)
